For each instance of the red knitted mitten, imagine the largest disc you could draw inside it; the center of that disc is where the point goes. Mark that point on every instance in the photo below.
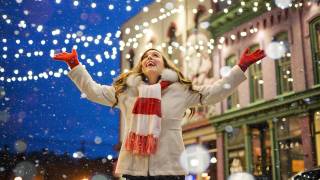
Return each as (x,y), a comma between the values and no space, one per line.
(247,59)
(70,58)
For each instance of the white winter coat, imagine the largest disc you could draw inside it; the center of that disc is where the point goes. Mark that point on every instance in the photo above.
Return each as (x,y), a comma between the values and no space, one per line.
(174,102)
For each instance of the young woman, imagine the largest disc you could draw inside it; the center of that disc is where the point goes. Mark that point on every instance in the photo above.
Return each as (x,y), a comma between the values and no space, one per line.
(153,98)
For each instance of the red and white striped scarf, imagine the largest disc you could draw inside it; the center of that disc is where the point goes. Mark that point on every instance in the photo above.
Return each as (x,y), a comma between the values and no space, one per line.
(146,120)
(145,124)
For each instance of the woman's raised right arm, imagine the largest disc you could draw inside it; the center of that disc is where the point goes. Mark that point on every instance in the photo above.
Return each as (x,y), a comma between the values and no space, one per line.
(95,92)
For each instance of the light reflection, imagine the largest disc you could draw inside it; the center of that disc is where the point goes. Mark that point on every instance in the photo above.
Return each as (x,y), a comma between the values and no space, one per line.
(195,159)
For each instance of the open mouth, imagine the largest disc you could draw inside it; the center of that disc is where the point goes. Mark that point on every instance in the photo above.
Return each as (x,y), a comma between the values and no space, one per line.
(150,64)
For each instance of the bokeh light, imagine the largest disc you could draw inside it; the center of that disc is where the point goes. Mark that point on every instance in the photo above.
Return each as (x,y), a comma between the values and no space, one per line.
(25,170)
(241,176)
(20,146)
(275,50)
(225,71)
(283,4)
(195,159)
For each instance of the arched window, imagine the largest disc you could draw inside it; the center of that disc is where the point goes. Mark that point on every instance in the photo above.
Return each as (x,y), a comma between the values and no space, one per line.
(232,100)
(315,48)
(283,66)
(255,78)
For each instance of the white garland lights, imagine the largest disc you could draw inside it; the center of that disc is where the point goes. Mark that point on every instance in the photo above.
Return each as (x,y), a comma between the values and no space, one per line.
(78,38)
(133,40)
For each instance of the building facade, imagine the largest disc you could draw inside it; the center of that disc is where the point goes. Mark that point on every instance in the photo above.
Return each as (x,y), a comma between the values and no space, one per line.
(270,126)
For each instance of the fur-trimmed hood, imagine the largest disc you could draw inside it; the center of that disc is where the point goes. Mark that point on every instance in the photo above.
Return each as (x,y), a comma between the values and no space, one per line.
(167,75)
(134,80)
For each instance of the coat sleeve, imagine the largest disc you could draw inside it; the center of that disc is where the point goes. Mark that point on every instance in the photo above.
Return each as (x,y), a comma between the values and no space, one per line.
(219,90)
(95,92)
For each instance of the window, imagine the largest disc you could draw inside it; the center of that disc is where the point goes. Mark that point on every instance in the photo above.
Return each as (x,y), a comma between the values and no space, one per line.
(283,66)
(261,151)
(212,149)
(235,150)
(317,134)
(315,47)
(290,147)
(255,78)
(232,100)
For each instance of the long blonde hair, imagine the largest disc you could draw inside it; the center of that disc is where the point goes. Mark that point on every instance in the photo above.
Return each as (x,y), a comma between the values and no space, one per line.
(120,83)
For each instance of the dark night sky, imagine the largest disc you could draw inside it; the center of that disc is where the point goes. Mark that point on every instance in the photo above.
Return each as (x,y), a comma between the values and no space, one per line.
(49,112)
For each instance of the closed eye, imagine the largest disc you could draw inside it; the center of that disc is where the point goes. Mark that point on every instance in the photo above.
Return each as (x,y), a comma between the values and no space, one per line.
(153,54)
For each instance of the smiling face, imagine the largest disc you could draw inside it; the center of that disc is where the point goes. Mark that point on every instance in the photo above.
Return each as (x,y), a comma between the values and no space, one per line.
(152,63)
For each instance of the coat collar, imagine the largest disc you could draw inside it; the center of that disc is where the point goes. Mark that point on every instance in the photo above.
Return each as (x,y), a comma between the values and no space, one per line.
(166,75)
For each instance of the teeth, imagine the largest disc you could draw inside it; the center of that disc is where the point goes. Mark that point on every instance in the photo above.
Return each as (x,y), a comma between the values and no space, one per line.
(150,64)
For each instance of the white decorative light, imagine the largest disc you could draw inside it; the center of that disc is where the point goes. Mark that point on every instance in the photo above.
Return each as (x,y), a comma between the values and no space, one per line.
(127,31)
(118,33)
(169,5)
(243,33)
(55,32)
(276,50)
(194,11)
(39,28)
(75,3)
(93,5)
(195,159)
(225,71)
(145,9)
(213,160)
(128,8)
(55,41)
(221,40)
(26,12)
(204,25)
(109,157)
(283,4)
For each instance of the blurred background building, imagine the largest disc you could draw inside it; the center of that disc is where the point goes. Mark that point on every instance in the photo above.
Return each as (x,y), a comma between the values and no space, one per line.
(270,126)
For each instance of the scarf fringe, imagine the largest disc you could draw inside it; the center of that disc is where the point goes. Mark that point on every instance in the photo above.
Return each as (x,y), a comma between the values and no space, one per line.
(141,144)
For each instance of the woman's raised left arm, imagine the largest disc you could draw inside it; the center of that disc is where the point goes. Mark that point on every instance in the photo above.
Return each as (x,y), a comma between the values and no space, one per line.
(225,86)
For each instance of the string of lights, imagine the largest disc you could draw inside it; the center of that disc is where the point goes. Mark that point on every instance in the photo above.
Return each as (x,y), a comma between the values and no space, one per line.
(87,40)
